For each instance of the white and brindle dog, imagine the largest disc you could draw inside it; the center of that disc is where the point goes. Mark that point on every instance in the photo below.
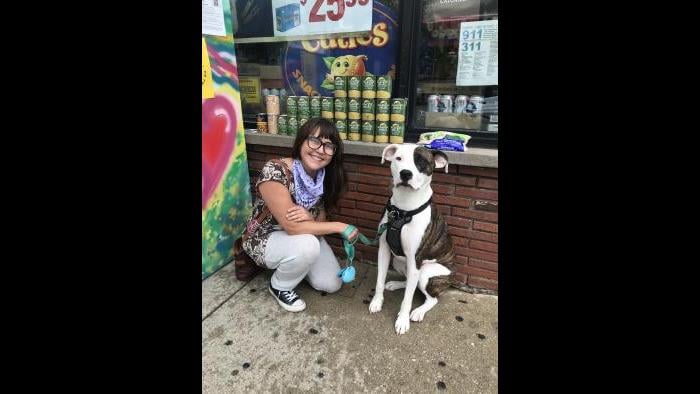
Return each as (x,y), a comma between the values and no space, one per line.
(416,234)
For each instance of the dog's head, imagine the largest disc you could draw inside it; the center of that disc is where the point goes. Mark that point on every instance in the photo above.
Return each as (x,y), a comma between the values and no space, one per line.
(412,165)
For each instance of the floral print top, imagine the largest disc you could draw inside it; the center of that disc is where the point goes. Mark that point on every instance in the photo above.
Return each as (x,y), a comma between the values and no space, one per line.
(259,233)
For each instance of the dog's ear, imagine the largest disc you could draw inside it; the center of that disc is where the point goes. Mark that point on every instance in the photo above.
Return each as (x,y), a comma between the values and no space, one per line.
(389,152)
(440,159)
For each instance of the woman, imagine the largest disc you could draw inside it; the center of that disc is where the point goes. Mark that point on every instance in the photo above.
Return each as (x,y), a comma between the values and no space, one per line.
(289,215)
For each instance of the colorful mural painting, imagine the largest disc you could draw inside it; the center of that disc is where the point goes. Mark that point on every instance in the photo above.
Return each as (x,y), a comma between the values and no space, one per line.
(226,200)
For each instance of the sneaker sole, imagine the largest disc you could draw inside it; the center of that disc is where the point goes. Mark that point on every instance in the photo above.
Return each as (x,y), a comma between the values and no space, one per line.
(288,307)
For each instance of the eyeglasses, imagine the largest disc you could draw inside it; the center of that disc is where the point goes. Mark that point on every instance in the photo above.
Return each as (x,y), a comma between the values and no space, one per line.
(314,143)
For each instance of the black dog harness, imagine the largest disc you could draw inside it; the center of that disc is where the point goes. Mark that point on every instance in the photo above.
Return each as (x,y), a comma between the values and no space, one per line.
(396,219)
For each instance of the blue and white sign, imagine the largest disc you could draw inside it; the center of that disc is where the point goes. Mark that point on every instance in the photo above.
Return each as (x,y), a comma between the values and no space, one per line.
(477,64)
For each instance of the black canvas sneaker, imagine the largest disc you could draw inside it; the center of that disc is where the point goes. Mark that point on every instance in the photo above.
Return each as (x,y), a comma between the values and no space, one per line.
(288,300)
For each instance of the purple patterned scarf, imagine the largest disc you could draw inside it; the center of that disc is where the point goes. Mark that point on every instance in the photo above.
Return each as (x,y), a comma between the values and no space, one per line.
(307,192)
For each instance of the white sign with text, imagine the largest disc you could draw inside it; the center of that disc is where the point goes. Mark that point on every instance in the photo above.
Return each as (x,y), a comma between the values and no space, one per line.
(477,64)
(293,18)
(213,18)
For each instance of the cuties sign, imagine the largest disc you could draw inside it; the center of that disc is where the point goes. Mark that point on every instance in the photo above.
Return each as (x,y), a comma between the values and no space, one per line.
(311,65)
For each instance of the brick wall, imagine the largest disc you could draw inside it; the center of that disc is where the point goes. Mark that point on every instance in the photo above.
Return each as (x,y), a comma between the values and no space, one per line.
(466,196)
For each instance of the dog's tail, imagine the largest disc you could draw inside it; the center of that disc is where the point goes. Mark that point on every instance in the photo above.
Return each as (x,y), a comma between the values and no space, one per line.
(438,284)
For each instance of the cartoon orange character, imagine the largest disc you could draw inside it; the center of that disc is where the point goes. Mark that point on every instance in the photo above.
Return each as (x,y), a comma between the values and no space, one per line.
(347,65)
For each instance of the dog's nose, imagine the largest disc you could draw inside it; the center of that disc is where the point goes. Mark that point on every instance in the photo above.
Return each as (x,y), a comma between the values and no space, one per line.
(405,175)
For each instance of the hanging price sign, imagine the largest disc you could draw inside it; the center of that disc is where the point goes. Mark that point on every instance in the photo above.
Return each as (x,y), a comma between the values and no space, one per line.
(313,17)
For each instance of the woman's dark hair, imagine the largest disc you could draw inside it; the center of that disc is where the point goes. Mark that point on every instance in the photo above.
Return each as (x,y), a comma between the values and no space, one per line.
(334,182)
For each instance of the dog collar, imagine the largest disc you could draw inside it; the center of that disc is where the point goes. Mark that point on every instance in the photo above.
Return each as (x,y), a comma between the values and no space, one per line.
(394,213)
(396,219)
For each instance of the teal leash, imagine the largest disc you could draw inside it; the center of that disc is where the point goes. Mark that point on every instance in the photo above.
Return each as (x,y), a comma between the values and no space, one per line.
(348,273)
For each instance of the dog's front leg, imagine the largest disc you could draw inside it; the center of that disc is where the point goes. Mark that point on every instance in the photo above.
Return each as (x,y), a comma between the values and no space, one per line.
(410,239)
(383,258)
(402,321)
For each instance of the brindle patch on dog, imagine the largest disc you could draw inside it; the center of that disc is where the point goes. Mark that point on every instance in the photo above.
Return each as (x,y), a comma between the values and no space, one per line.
(423,159)
(437,244)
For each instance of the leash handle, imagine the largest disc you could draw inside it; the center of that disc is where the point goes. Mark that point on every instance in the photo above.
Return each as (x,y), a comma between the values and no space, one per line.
(349,230)
(348,273)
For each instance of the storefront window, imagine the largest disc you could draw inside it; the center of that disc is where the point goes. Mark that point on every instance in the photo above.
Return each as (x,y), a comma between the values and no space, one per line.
(457,76)
(301,68)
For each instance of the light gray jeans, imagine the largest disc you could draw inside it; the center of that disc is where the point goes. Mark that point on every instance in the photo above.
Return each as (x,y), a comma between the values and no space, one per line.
(295,257)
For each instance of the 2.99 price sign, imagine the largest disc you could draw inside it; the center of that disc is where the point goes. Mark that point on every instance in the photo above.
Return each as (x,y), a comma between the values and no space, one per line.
(312,17)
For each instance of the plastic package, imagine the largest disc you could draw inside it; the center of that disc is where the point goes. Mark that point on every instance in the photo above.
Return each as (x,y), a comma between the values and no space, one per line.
(444,140)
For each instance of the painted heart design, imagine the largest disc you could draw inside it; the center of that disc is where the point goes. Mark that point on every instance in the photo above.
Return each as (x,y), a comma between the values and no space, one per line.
(218,142)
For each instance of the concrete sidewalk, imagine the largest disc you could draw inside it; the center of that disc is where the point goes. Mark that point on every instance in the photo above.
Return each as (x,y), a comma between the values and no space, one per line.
(250,344)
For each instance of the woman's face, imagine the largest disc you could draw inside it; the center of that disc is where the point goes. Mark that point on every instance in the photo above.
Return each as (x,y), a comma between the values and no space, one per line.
(315,152)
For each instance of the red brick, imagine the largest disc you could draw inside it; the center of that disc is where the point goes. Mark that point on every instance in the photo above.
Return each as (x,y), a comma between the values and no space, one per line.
(338,251)
(368,252)
(445,210)
(481,283)
(352,187)
(461,278)
(479,171)
(367,232)
(369,179)
(461,260)
(488,183)
(382,191)
(482,236)
(477,193)
(485,226)
(334,241)
(256,164)
(355,213)
(487,246)
(276,150)
(346,203)
(451,220)
(256,156)
(370,207)
(457,232)
(364,159)
(454,201)
(443,189)
(472,214)
(473,271)
(479,254)
(368,169)
(350,167)
(356,221)
(459,241)
(454,179)
(365,197)
(360,159)
(487,265)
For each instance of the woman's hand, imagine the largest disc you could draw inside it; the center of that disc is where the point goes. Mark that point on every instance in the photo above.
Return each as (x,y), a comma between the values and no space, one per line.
(353,233)
(298,214)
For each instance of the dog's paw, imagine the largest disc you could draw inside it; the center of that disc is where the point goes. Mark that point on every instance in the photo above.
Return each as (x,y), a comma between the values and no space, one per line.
(376,304)
(418,314)
(402,324)
(395,285)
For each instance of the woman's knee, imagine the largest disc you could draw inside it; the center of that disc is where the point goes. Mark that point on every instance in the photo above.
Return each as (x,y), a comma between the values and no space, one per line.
(329,284)
(306,248)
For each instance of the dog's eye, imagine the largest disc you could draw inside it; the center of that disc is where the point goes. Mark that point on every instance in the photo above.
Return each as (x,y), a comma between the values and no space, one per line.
(398,158)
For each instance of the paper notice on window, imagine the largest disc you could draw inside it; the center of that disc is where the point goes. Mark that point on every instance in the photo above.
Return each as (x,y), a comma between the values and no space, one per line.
(213,18)
(478,53)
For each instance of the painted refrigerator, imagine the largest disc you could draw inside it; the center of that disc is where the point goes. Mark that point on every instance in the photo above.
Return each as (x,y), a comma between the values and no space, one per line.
(226,199)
